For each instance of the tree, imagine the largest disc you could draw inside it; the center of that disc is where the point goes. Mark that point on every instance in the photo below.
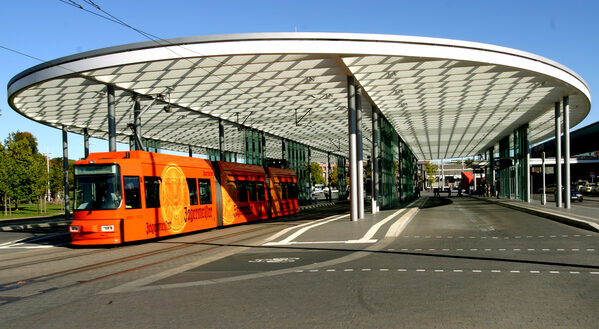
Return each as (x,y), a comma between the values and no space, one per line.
(25,167)
(57,177)
(431,171)
(5,183)
(335,177)
(316,173)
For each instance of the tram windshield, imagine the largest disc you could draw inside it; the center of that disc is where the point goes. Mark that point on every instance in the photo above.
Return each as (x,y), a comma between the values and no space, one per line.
(97,187)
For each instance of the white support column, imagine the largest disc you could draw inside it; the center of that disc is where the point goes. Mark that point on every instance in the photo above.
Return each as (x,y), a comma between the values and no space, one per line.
(360,167)
(558,157)
(566,107)
(353,151)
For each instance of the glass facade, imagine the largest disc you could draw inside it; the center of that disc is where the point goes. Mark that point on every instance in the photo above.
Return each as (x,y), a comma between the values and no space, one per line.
(297,157)
(513,165)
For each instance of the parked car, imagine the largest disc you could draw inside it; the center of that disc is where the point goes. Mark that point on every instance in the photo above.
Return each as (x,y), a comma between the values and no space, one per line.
(580,184)
(575,194)
(590,188)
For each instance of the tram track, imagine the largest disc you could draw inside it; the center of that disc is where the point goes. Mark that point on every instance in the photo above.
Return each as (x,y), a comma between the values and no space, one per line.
(122,260)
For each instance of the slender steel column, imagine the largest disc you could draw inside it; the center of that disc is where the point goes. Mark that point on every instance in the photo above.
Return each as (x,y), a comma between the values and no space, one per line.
(360,168)
(528,171)
(375,160)
(283,153)
(111,119)
(566,107)
(558,157)
(190,151)
(544,196)
(86,142)
(221,139)
(330,198)
(137,122)
(65,168)
(353,152)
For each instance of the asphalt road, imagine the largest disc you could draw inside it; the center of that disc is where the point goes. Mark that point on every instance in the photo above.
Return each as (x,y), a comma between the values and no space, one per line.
(459,263)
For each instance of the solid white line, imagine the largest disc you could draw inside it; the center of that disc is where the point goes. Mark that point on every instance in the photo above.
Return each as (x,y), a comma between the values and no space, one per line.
(10,242)
(20,246)
(372,231)
(401,223)
(301,231)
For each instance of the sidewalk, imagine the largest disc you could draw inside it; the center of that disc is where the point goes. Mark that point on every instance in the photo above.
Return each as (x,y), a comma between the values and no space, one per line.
(585,218)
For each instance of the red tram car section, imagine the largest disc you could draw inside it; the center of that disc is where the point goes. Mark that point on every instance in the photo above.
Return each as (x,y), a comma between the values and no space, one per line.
(137,195)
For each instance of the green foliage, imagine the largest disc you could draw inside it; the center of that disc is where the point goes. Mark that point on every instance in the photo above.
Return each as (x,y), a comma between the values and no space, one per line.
(57,177)
(23,168)
(316,173)
(431,170)
(335,177)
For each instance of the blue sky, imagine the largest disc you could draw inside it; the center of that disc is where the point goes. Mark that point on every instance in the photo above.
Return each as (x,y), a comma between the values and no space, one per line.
(564,31)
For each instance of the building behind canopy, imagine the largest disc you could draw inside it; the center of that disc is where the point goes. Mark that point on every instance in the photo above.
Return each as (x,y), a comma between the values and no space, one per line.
(323,97)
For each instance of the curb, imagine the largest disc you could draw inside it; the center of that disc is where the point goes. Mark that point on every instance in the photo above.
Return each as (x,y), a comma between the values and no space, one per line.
(318,205)
(564,219)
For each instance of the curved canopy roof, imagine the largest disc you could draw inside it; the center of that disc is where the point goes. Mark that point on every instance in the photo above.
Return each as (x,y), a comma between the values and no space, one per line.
(445,98)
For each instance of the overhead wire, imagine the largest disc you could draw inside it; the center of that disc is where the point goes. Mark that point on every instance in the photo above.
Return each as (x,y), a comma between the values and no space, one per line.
(160,41)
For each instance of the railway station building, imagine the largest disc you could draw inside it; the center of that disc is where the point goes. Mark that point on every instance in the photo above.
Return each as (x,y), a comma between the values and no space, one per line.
(295,98)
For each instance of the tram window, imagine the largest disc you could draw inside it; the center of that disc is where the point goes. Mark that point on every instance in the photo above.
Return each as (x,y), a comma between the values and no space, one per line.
(293,192)
(132,192)
(242,190)
(261,192)
(252,191)
(193,191)
(205,191)
(283,190)
(152,187)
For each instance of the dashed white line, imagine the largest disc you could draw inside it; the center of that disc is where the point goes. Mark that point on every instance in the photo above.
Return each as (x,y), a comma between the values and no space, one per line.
(422,270)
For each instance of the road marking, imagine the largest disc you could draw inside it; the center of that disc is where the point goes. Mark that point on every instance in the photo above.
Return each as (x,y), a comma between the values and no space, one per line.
(300,231)
(21,246)
(374,228)
(281,260)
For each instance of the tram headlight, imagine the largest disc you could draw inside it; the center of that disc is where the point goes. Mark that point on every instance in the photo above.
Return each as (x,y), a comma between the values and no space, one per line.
(107,228)
(74,229)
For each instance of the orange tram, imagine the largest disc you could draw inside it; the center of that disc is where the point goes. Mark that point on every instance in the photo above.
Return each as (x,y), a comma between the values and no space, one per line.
(137,195)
